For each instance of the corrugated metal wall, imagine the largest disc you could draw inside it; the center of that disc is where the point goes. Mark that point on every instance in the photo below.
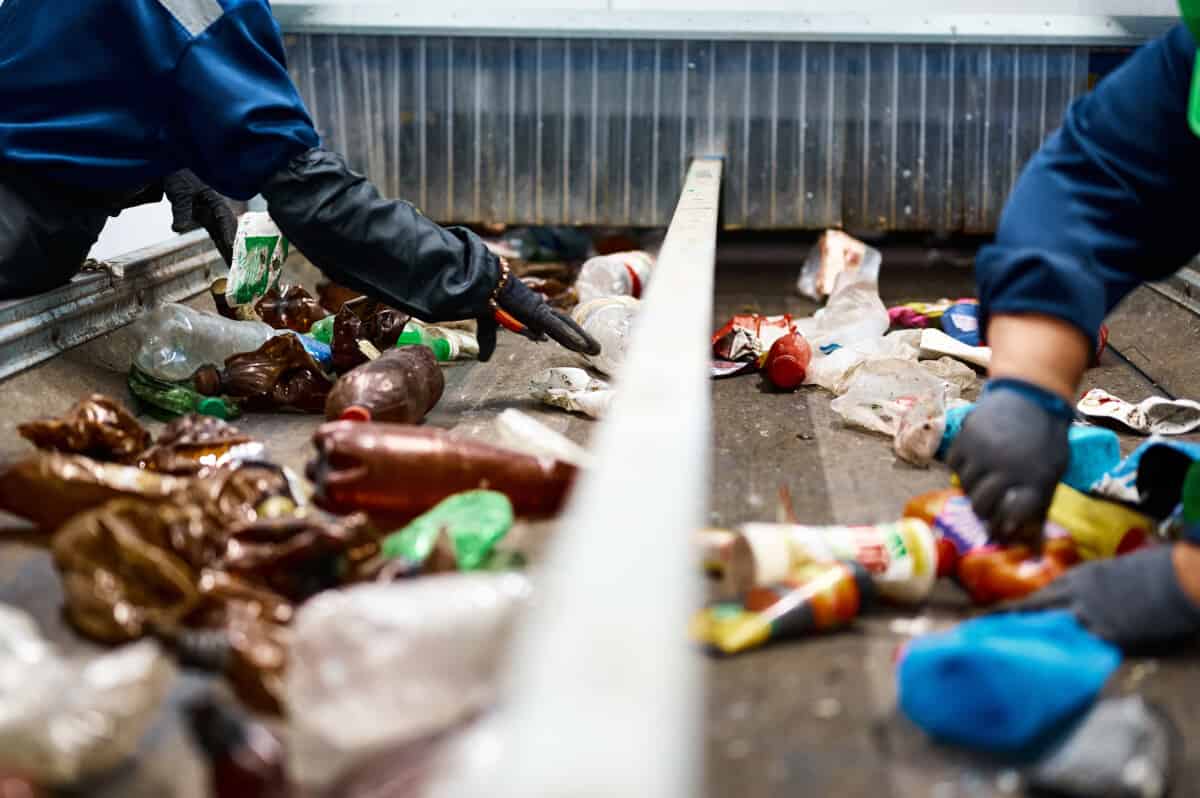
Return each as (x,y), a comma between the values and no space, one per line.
(598,132)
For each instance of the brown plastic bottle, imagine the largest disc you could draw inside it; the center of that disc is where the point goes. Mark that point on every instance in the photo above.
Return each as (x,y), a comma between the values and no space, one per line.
(291,308)
(278,374)
(401,386)
(246,758)
(363,319)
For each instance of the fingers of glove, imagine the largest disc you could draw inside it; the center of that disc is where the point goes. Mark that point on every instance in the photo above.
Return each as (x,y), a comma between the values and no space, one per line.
(1021,507)
(986,493)
(220,221)
(486,334)
(565,331)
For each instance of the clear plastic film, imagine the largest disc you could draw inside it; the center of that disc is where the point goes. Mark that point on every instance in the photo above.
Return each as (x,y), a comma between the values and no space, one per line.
(374,666)
(61,718)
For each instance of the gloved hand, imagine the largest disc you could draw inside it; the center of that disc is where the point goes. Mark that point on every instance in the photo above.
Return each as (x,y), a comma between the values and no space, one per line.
(195,205)
(1010,455)
(1133,601)
(389,250)
(522,311)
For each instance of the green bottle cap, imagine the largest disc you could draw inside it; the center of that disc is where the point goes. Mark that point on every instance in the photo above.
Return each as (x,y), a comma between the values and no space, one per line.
(214,406)
(323,330)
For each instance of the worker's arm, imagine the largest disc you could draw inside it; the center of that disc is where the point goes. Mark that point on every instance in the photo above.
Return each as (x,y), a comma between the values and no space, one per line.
(244,130)
(1105,205)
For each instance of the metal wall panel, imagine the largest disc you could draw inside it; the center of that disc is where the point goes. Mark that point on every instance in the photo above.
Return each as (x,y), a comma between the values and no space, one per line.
(870,136)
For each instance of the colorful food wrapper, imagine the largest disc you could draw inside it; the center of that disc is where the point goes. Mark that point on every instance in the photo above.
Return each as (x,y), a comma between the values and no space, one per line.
(816,597)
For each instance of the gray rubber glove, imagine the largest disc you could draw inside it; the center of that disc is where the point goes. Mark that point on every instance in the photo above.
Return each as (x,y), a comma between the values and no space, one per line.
(1010,455)
(195,205)
(534,319)
(1133,601)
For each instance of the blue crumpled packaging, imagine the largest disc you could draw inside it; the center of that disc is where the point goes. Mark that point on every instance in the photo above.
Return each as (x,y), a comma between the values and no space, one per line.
(1004,683)
(1152,476)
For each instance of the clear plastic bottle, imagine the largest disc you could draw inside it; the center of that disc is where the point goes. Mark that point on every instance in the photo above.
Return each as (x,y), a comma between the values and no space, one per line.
(608,320)
(619,274)
(177,340)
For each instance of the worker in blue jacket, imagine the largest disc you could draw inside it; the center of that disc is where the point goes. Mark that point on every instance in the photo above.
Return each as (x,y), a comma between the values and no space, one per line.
(106,104)
(1108,203)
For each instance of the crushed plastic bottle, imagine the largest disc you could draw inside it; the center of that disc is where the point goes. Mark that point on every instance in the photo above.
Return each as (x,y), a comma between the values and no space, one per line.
(619,274)
(165,399)
(404,659)
(177,340)
(95,426)
(609,321)
(574,390)
(447,343)
(66,718)
(402,385)
(523,433)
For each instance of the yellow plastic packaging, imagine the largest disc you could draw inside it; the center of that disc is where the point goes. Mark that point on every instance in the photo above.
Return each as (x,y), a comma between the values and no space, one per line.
(1100,528)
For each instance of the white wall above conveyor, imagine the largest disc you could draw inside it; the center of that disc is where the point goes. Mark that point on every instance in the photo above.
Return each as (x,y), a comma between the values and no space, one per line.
(1006,21)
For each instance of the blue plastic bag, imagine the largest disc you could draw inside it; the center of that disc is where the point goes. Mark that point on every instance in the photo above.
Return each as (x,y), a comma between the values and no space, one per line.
(1004,683)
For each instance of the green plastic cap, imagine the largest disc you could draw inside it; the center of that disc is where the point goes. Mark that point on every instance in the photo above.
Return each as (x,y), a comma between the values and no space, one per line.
(412,336)
(214,406)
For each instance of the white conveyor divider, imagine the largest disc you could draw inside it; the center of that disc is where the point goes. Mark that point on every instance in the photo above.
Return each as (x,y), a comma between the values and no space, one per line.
(604,693)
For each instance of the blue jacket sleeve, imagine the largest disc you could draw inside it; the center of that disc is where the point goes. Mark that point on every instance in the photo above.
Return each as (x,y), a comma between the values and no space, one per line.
(238,117)
(1108,202)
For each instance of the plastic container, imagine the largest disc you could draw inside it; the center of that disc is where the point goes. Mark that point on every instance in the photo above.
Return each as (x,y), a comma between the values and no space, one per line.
(837,256)
(177,340)
(901,557)
(609,321)
(402,386)
(619,274)
(447,343)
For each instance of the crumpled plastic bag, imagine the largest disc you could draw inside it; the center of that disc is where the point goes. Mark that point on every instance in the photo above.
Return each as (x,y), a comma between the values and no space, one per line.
(574,390)
(402,659)
(835,371)
(919,433)
(854,313)
(958,374)
(883,390)
(523,433)
(836,255)
(62,719)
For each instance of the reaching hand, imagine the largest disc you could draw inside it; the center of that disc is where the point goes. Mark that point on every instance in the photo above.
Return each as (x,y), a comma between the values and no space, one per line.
(195,205)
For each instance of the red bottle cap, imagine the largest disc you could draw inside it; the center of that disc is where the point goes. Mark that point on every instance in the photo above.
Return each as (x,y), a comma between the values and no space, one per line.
(355,413)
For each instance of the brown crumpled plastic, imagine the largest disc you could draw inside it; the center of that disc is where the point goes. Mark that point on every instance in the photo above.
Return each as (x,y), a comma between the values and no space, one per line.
(119,571)
(191,445)
(96,426)
(291,308)
(48,488)
(333,296)
(279,374)
(364,320)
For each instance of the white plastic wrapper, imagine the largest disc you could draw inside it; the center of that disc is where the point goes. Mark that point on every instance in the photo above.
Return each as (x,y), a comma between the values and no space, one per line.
(883,390)
(61,718)
(259,250)
(836,254)
(374,666)
(958,374)
(523,433)
(835,371)
(573,390)
(1153,416)
(919,433)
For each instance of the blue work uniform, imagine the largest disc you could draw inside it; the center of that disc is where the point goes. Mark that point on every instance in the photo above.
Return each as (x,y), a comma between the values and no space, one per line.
(1109,201)
(110,95)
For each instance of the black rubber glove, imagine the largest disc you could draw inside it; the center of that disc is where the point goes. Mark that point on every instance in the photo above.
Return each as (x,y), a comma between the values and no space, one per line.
(388,250)
(1010,455)
(1133,601)
(195,205)
(536,319)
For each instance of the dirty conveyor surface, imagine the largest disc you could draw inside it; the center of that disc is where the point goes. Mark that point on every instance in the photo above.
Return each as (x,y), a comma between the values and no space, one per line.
(813,717)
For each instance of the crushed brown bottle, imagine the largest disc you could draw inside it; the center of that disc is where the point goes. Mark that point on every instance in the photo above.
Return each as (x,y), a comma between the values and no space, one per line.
(280,374)
(97,427)
(394,472)
(291,308)
(368,320)
(191,445)
(401,386)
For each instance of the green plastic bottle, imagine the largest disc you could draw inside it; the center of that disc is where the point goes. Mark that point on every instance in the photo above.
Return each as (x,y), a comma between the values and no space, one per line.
(170,399)
(323,330)
(419,336)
